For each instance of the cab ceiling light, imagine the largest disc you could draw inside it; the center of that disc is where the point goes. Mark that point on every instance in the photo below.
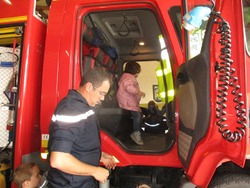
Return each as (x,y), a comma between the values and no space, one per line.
(141,43)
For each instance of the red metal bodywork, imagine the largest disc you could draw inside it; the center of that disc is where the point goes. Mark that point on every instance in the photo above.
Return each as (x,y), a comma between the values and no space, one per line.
(213,150)
(210,152)
(27,137)
(49,70)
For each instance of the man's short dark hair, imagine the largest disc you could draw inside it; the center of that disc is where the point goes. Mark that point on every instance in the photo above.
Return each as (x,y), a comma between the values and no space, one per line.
(96,76)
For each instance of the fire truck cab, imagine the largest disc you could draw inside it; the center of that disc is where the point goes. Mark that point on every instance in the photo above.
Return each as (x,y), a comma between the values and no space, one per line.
(195,64)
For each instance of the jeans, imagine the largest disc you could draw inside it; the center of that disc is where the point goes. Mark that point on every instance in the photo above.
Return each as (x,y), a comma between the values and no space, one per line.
(137,117)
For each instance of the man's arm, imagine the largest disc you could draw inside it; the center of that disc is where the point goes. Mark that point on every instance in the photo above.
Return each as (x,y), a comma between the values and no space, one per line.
(67,163)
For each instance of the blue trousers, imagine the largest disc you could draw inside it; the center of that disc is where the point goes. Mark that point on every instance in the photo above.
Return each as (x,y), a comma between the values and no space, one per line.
(137,118)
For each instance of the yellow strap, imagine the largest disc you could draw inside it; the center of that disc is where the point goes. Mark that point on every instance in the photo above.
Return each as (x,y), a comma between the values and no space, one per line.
(2,181)
(4,166)
(13,19)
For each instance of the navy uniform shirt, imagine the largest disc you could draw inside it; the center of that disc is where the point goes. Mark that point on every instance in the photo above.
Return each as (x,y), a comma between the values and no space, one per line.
(74,129)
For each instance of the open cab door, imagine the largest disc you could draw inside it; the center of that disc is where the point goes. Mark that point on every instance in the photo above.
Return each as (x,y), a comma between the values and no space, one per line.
(211,89)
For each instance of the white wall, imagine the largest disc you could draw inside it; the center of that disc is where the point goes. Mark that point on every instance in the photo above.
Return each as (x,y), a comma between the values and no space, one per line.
(147,78)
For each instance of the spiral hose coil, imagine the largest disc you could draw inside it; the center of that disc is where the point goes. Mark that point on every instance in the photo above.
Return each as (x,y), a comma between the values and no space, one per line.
(226,80)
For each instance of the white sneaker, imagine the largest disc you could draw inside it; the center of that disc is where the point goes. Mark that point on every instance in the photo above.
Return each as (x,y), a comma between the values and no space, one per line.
(136,137)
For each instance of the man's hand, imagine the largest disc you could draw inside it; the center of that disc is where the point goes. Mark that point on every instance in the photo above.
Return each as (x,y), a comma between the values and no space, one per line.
(108,161)
(76,167)
(101,174)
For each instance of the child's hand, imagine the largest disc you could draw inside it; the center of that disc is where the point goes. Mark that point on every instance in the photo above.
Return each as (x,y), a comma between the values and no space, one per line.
(142,94)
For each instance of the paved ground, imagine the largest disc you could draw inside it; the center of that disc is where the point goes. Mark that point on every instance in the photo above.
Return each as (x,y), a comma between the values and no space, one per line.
(186,184)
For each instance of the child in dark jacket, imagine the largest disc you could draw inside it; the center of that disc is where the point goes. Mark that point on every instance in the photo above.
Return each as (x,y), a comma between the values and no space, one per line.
(155,122)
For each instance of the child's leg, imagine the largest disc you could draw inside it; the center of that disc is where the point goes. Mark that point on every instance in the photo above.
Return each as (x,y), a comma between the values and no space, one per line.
(136,135)
(136,120)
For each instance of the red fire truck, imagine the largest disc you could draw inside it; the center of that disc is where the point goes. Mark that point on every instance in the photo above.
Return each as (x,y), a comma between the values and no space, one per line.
(195,59)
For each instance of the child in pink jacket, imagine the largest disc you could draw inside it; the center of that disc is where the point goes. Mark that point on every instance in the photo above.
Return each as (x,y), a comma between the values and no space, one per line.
(129,96)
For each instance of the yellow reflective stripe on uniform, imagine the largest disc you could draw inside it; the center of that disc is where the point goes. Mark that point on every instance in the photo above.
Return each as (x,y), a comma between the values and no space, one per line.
(170,94)
(72,119)
(165,71)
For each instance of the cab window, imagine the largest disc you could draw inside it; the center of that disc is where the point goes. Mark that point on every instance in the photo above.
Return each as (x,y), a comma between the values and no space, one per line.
(195,36)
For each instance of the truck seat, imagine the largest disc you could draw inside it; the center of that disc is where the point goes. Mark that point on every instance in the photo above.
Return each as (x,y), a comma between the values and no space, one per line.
(116,121)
